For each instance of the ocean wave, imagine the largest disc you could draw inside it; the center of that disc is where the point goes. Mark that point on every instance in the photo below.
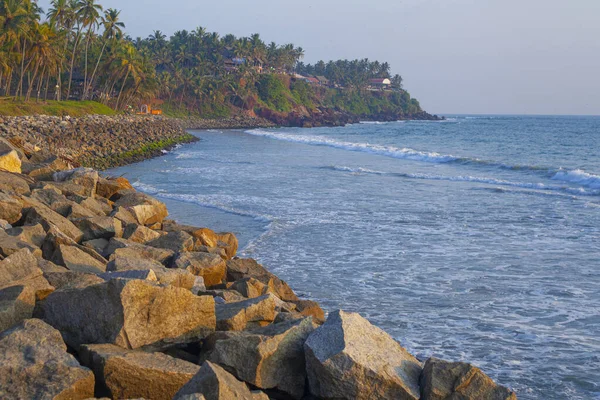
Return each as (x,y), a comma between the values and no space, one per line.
(474,179)
(146,188)
(579,177)
(389,151)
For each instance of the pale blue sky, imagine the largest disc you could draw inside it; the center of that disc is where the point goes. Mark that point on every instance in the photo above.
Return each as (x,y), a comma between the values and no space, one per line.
(456,56)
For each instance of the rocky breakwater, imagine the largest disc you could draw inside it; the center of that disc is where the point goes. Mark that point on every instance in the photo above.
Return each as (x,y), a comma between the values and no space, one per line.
(97,141)
(101,295)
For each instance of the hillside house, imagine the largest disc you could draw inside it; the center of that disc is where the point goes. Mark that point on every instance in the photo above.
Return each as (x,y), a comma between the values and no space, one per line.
(380,83)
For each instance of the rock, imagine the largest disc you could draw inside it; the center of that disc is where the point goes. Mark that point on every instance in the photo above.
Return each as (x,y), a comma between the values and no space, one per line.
(248,268)
(146,275)
(6,147)
(130,314)
(163,256)
(10,162)
(229,296)
(34,235)
(444,380)
(310,308)
(249,288)
(10,207)
(40,214)
(251,313)
(175,241)
(146,209)
(21,268)
(98,207)
(214,383)
(206,237)
(210,267)
(98,245)
(212,250)
(99,227)
(107,188)
(229,242)
(46,171)
(10,245)
(79,259)
(268,358)
(72,280)
(132,374)
(128,260)
(85,178)
(16,305)
(348,358)
(34,364)
(139,233)
(123,215)
(4,224)
(14,183)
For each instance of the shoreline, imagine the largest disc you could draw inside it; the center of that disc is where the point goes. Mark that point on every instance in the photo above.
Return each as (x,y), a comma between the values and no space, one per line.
(87,243)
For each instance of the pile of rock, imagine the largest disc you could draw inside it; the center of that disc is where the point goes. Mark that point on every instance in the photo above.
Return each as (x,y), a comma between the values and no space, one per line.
(99,141)
(101,295)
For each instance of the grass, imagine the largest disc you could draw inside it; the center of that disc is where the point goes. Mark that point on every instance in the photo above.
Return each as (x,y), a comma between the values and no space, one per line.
(10,107)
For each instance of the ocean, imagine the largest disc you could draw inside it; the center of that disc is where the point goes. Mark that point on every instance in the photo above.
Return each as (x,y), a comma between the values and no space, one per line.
(472,239)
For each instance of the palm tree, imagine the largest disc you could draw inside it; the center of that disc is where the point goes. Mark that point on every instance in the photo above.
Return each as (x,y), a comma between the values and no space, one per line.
(89,13)
(129,66)
(113,28)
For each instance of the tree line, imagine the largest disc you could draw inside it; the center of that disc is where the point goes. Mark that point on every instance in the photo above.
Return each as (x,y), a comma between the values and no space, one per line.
(79,50)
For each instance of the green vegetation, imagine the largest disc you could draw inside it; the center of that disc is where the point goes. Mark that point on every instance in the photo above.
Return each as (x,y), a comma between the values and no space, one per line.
(9,107)
(79,51)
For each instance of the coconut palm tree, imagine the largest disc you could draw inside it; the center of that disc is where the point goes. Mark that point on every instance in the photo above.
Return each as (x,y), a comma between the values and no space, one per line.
(113,28)
(89,13)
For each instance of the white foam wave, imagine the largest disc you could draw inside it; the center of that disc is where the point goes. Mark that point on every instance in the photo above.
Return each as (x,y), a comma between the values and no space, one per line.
(579,177)
(146,188)
(474,179)
(213,202)
(373,122)
(388,151)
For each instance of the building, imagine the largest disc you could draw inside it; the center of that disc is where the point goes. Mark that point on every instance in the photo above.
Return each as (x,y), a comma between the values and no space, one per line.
(380,83)
(322,80)
(312,81)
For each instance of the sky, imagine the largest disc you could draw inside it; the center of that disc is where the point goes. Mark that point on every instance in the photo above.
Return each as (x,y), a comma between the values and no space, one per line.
(456,56)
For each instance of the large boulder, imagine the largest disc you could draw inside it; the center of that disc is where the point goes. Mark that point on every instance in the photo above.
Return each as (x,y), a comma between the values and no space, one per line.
(15,183)
(139,233)
(34,364)
(241,268)
(146,209)
(310,308)
(10,207)
(132,374)
(85,178)
(214,383)
(163,256)
(21,268)
(128,259)
(72,280)
(444,380)
(108,187)
(348,358)
(229,242)
(16,305)
(39,213)
(175,241)
(130,314)
(79,259)
(251,313)
(99,227)
(268,358)
(211,267)
(34,235)
(10,162)
(10,245)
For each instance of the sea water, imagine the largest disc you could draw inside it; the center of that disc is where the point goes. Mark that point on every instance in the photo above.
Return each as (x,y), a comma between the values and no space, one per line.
(473,239)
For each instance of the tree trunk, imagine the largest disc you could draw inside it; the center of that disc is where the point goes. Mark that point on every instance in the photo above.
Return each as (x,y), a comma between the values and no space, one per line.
(91,83)
(122,87)
(19,88)
(73,63)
